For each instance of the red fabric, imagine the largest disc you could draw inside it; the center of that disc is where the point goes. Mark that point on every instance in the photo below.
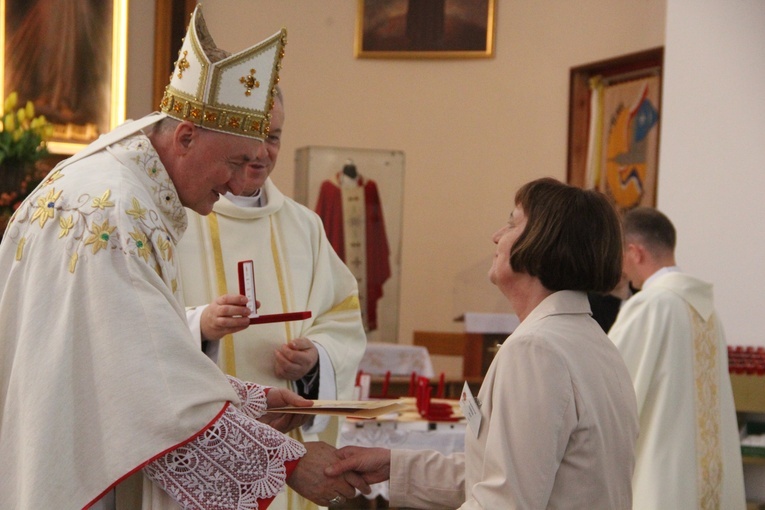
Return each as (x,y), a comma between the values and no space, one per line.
(329,207)
(290,466)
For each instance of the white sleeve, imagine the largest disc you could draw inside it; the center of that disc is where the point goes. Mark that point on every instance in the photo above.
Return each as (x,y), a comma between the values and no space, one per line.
(194,321)
(327,390)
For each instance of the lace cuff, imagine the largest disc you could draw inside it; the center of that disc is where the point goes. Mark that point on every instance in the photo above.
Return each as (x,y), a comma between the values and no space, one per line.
(253,397)
(235,463)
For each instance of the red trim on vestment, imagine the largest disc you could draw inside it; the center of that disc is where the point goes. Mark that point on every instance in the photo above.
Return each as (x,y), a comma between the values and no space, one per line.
(165,452)
(290,466)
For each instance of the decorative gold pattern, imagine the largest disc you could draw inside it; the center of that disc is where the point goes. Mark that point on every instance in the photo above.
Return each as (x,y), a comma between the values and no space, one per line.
(103,201)
(46,207)
(249,82)
(20,248)
(66,224)
(183,64)
(349,303)
(101,235)
(90,223)
(216,119)
(210,99)
(708,449)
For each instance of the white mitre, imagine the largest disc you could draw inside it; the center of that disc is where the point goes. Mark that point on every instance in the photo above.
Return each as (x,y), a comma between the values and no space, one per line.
(232,95)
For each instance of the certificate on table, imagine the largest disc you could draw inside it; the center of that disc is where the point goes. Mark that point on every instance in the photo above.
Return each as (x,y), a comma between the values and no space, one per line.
(354,408)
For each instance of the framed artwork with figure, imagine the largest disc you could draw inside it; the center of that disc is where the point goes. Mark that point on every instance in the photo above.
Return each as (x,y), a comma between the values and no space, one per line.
(68,57)
(425,28)
(614,121)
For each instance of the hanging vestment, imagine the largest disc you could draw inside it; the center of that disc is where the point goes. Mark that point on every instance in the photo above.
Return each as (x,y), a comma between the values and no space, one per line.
(329,206)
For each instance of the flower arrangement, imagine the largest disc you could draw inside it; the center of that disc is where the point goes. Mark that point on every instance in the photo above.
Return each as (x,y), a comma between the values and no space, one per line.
(22,145)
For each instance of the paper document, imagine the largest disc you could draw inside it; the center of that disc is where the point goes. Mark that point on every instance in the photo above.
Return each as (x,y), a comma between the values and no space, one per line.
(355,408)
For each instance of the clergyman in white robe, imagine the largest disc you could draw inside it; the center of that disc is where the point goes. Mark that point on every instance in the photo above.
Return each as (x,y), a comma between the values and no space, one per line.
(296,269)
(688,451)
(100,377)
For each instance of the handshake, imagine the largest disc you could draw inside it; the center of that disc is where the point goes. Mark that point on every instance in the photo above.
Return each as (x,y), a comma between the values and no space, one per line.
(329,476)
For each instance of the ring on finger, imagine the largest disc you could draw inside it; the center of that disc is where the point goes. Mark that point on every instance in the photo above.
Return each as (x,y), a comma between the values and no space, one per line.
(336,500)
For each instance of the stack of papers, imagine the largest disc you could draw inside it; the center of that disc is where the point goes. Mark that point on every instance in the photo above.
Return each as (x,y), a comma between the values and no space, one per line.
(353,408)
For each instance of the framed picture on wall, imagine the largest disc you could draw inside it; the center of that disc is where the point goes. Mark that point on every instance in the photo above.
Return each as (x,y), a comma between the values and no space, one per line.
(425,28)
(68,58)
(614,120)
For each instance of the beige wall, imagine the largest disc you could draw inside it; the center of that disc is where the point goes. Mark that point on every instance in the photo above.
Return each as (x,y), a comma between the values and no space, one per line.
(473,131)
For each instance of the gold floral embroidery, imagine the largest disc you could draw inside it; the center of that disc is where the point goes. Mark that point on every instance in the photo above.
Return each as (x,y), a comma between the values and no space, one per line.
(141,226)
(52,178)
(66,224)
(46,207)
(165,248)
(101,236)
(20,248)
(137,211)
(103,201)
(708,448)
(142,243)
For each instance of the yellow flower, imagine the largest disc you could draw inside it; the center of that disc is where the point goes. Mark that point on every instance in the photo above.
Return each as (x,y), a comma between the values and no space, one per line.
(9,122)
(30,110)
(10,102)
(46,207)
(21,115)
(101,236)
(142,243)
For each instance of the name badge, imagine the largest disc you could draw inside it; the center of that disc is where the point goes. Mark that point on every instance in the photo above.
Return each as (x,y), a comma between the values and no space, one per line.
(471,409)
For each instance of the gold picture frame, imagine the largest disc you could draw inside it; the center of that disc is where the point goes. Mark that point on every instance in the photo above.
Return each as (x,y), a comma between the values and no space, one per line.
(70,60)
(425,29)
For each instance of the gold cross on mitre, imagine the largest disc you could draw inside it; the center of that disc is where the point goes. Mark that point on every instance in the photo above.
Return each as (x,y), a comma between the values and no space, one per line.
(249,82)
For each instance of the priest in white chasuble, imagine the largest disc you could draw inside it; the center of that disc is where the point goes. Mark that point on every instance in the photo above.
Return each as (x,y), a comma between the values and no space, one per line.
(100,377)
(688,454)
(295,269)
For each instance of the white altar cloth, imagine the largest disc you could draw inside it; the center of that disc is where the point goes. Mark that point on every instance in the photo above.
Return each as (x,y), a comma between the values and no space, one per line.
(400,360)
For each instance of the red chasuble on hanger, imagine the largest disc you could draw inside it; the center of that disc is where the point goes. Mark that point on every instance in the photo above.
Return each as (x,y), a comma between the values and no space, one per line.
(363,246)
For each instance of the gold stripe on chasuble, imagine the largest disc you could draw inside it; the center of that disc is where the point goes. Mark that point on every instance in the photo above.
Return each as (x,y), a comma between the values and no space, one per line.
(227,342)
(708,450)
(294,500)
(349,303)
(279,269)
